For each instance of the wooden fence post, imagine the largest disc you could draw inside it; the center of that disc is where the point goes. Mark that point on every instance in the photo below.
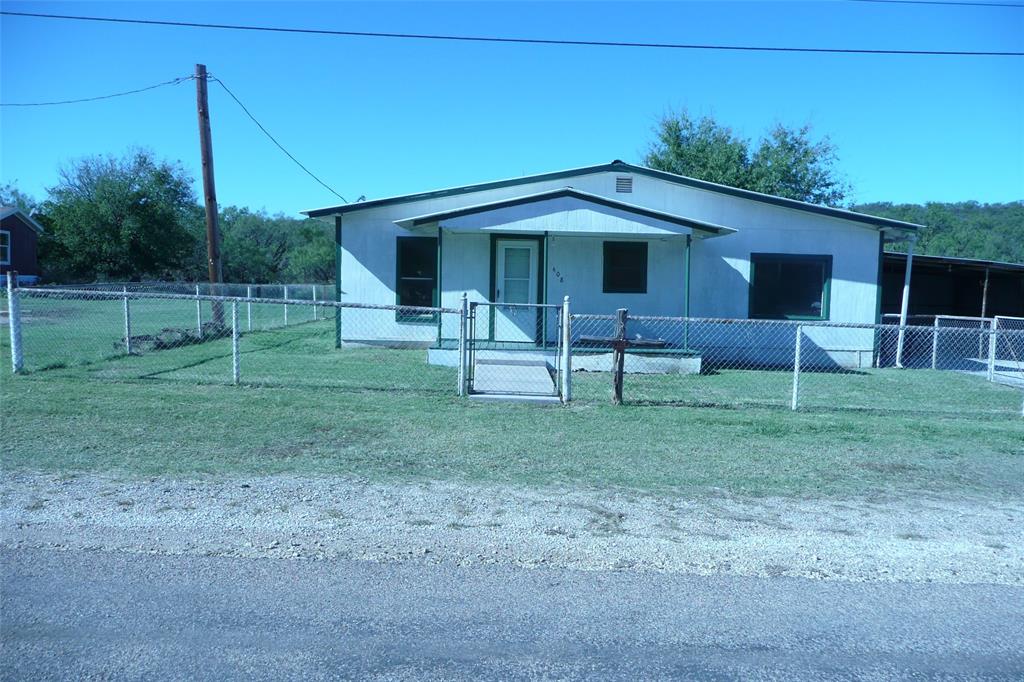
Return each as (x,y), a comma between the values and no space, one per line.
(619,355)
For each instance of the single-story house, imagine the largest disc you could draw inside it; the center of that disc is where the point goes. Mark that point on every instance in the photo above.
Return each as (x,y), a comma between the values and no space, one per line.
(609,236)
(19,240)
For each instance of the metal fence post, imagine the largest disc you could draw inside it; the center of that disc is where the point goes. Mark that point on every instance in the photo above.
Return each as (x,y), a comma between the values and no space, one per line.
(14,322)
(795,403)
(314,303)
(127,323)
(566,353)
(899,345)
(935,344)
(235,359)
(286,306)
(199,313)
(993,332)
(463,327)
(248,309)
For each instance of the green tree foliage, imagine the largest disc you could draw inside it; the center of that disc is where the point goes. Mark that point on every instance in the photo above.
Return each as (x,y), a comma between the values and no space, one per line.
(136,218)
(786,162)
(312,260)
(12,196)
(966,229)
(257,247)
(119,218)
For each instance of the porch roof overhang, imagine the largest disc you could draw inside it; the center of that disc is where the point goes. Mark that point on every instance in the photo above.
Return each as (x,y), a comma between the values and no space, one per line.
(565,211)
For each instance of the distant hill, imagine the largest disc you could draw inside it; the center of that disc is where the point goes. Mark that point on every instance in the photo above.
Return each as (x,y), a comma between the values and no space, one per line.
(966,229)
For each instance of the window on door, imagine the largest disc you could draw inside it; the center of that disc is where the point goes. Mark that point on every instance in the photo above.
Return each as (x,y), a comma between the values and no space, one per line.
(625,267)
(517,279)
(789,287)
(416,275)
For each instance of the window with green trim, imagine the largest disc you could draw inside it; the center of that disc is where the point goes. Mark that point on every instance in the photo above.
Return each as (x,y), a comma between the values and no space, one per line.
(625,268)
(416,277)
(789,287)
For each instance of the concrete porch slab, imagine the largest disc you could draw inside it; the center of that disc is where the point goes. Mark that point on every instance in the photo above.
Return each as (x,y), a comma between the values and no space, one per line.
(513,376)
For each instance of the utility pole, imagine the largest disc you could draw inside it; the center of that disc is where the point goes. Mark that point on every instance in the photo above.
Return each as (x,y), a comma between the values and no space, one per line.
(209,190)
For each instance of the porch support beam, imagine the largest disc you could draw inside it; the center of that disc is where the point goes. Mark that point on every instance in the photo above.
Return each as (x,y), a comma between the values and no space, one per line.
(440,289)
(904,304)
(686,294)
(984,294)
(544,267)
(337,280)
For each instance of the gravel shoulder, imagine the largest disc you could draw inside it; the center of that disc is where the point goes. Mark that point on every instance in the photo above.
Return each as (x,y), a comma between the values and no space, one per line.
(916,539)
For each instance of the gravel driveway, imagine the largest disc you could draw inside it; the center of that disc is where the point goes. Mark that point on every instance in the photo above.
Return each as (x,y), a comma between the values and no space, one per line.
(915,539)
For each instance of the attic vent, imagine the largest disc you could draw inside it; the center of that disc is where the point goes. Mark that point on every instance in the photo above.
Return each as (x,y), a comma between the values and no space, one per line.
(624,185)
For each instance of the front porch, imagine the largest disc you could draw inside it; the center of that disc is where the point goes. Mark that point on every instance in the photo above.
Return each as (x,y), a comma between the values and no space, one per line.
(516,260)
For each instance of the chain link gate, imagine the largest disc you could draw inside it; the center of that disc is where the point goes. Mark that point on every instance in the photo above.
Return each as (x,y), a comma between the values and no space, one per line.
(515,350)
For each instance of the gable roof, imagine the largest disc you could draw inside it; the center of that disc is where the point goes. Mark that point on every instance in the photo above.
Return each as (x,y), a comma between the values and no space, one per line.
(618,166)
(710,228)
(8,211)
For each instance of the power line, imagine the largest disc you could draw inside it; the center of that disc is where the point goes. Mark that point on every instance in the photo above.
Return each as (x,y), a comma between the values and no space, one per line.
(274,140)
(521,41)
(943,2)
(174,81)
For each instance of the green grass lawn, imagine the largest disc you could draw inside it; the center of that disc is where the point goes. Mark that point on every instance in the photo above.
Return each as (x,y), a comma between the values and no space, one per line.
(306,408)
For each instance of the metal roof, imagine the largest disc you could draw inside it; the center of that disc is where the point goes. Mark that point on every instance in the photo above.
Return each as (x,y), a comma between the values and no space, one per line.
(967,263)
(618,166)
(701,225)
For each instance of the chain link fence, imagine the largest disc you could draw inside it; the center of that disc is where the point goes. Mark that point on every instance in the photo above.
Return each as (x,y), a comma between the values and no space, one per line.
(255,316)
(953,366)
(144,335)
(943,365)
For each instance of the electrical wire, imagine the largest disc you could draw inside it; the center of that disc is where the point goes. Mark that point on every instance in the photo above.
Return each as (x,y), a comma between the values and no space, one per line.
(273,139)
(174,81)
(943,2)
(521,41)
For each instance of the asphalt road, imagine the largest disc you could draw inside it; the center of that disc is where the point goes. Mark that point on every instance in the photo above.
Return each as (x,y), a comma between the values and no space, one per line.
(78,614)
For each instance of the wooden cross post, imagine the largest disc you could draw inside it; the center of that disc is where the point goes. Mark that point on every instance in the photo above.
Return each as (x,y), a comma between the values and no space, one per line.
(618,354)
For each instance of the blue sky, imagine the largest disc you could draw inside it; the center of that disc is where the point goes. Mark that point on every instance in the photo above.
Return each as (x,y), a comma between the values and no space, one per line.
(379,117)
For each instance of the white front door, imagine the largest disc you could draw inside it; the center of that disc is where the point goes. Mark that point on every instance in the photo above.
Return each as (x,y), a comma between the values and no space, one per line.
(515,281)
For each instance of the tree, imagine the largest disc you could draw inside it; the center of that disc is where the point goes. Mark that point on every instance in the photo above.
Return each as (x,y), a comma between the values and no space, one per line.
(787,162)
(312,259)
(258,247)
(966,229)
(253,245)
(12,196)
(120,218)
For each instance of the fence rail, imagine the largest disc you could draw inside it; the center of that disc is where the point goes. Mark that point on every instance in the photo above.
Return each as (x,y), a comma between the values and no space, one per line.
(950,365)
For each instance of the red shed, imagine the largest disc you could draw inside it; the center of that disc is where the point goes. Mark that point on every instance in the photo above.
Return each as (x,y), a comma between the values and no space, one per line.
(19,240)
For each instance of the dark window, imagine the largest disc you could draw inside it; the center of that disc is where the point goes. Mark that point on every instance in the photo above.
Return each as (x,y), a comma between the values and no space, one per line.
(789,287)
(416,276)
(625,267)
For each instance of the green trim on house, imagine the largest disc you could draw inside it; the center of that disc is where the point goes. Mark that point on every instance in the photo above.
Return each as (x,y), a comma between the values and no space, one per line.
(337,280)
(438,290)
(878,279)
(635,246)
(826,294)
(415,318)
(622,167)
(686,280)
(541,269)
(686,294)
